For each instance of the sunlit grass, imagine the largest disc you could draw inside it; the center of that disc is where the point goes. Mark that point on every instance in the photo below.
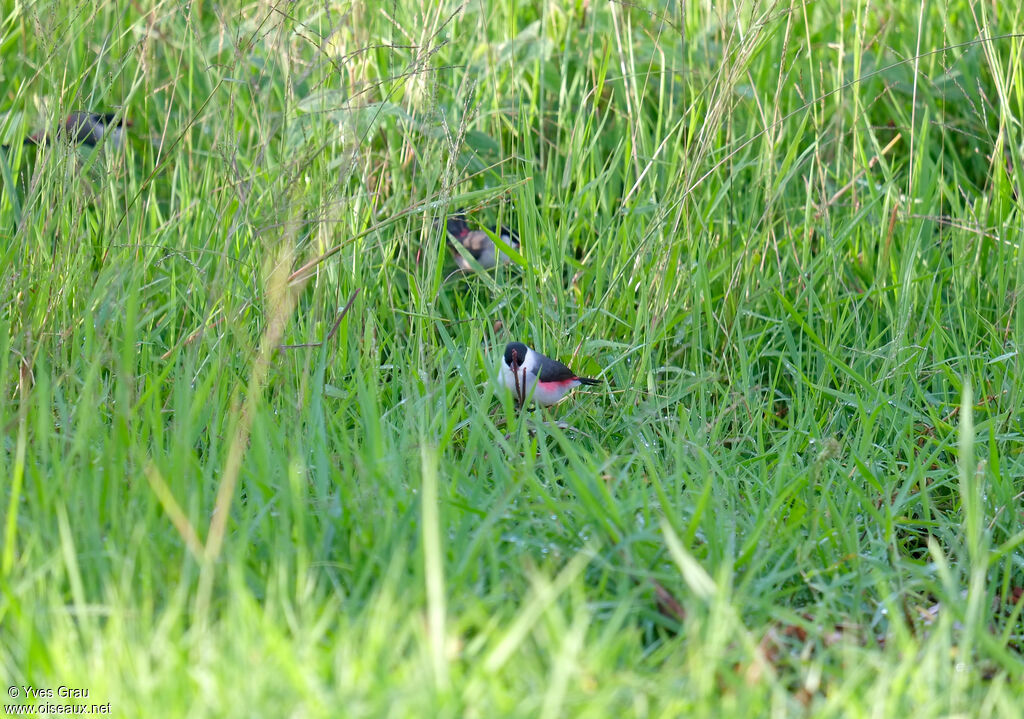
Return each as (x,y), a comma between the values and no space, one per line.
(786,238)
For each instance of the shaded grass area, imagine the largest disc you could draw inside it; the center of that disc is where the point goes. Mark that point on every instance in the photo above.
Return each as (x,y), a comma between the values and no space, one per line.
(786,237)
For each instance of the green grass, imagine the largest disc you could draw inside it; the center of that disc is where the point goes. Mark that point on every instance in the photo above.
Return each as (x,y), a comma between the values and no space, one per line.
(787,236)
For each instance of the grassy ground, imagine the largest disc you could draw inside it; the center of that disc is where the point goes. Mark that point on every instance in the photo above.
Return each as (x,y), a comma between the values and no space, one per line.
(787,236)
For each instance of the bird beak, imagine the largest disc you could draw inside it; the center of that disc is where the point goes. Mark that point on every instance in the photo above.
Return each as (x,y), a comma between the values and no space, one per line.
(520,388)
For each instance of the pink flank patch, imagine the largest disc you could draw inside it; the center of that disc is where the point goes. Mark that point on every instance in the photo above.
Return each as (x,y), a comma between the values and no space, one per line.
(557,385)
(549,393)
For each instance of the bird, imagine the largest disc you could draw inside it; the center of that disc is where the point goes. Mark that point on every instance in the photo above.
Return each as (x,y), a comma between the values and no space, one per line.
(478,243)
(528,373)
(85,128)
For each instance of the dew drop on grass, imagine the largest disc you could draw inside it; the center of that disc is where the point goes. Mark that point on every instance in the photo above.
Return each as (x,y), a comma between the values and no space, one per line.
(513,539)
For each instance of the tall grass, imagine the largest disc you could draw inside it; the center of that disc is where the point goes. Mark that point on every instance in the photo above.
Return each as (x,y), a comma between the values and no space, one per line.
(256,463)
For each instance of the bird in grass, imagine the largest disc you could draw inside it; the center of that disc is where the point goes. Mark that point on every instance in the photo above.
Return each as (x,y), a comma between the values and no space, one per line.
(478,243)
(528,374)
(85,128)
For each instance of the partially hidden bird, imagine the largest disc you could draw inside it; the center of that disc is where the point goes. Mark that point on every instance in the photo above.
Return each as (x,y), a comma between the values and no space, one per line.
(478,243)
(85,128)
(529,374)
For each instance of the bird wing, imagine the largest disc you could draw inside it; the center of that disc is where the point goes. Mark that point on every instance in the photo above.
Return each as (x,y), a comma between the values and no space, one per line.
(553,371)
